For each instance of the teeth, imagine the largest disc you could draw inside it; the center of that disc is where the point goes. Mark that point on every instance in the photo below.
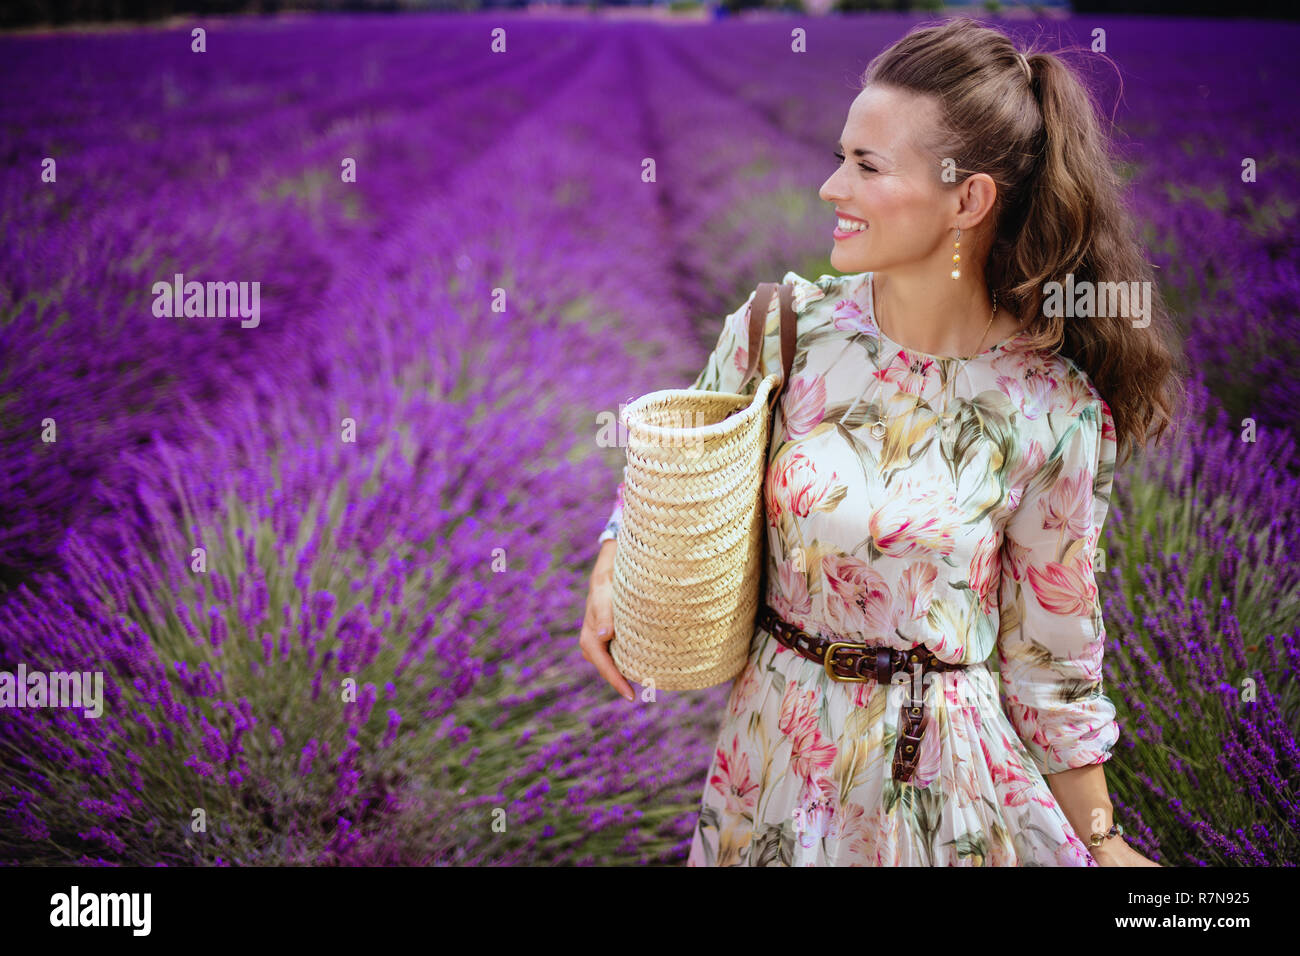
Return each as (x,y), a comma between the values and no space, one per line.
(850,225)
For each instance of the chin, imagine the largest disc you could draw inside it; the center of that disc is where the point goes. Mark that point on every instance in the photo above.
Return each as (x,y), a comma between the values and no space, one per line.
(841,261)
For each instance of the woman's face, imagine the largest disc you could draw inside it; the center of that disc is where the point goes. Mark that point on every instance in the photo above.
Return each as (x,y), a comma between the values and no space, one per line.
(891,187)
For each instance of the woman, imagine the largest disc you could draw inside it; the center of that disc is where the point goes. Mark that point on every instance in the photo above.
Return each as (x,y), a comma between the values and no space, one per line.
(940,470)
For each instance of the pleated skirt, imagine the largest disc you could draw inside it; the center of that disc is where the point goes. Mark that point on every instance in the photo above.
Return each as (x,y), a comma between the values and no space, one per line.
(801,775)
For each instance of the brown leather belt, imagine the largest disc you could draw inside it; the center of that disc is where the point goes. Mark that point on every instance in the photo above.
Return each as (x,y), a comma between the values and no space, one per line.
(857,663)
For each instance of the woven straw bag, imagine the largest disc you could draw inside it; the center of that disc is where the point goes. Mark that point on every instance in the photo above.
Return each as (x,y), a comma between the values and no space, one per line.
(691,549)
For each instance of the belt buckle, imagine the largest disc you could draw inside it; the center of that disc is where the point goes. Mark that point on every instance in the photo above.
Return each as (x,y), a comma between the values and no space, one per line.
(829,660)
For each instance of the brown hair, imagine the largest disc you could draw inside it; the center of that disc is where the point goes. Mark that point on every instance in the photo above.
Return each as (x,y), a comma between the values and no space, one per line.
(1059,209)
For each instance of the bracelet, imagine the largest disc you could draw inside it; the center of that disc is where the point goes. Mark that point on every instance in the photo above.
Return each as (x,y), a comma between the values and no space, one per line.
(1096,838)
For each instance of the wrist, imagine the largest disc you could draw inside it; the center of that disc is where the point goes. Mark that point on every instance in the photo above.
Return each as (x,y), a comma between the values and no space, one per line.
(1111,848)
(1108,851)
(1112,834)
(604,567)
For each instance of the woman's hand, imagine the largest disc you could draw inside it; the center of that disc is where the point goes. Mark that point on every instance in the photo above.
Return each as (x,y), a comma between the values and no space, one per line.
(1115,852)
(598,623)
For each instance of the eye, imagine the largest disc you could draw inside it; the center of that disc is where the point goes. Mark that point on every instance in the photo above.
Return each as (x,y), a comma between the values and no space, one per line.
(863,166)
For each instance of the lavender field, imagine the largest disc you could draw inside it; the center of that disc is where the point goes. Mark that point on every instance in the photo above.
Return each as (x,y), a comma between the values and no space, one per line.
(332,561)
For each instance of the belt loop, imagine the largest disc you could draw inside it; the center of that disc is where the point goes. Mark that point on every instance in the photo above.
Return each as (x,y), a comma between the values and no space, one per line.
(884,666)
(911,729)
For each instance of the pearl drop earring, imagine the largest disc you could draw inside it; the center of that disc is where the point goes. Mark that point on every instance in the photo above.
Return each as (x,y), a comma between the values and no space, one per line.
(956,256)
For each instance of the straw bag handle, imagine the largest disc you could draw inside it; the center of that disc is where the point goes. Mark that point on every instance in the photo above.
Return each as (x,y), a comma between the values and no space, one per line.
(757,317)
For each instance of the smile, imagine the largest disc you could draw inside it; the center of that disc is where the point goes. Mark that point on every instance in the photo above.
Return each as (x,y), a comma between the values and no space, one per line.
(844,228)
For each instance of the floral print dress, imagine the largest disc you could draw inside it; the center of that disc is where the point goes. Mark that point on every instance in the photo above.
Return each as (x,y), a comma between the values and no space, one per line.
(961,536)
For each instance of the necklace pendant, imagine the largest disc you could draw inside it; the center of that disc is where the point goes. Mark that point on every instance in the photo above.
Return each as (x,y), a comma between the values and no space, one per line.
(878,429)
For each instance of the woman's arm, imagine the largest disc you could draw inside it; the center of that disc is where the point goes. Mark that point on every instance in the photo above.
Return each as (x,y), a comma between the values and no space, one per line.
(1084,800)
(1051,632)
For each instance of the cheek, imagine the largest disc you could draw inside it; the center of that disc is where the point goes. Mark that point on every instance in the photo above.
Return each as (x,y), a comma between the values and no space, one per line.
(893,200)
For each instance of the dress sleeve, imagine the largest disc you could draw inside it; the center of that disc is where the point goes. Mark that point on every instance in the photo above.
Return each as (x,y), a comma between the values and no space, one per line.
(1051,637)
(722,373)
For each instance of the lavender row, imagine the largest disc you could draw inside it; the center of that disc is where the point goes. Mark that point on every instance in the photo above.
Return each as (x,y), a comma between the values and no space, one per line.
(216,188)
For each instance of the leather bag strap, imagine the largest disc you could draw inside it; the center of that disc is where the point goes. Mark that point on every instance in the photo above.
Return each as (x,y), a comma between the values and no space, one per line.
(789,333)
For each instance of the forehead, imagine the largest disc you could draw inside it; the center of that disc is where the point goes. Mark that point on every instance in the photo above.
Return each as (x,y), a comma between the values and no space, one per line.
(888,120)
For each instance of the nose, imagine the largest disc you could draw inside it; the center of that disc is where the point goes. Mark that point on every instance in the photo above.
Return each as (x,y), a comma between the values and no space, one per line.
(826,192)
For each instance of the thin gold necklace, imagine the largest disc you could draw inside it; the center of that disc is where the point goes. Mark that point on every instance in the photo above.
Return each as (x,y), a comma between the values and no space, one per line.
(879,428)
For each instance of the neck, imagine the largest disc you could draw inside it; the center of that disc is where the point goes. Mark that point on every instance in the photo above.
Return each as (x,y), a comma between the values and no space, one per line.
(944,318)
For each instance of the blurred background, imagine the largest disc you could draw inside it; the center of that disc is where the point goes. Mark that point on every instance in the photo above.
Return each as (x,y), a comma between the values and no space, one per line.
(24,12)
(332,559)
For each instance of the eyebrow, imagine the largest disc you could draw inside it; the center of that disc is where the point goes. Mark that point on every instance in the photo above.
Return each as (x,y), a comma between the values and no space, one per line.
(860,152)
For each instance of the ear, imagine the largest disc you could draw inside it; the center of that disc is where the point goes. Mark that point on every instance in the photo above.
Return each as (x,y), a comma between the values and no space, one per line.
(977,196)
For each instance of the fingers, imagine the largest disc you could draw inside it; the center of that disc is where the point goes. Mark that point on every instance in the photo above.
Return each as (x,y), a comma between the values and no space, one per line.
(607,669)
(597,632)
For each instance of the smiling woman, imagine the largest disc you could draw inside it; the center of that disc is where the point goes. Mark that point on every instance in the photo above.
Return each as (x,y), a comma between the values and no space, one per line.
(940,469)
(1006,147)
